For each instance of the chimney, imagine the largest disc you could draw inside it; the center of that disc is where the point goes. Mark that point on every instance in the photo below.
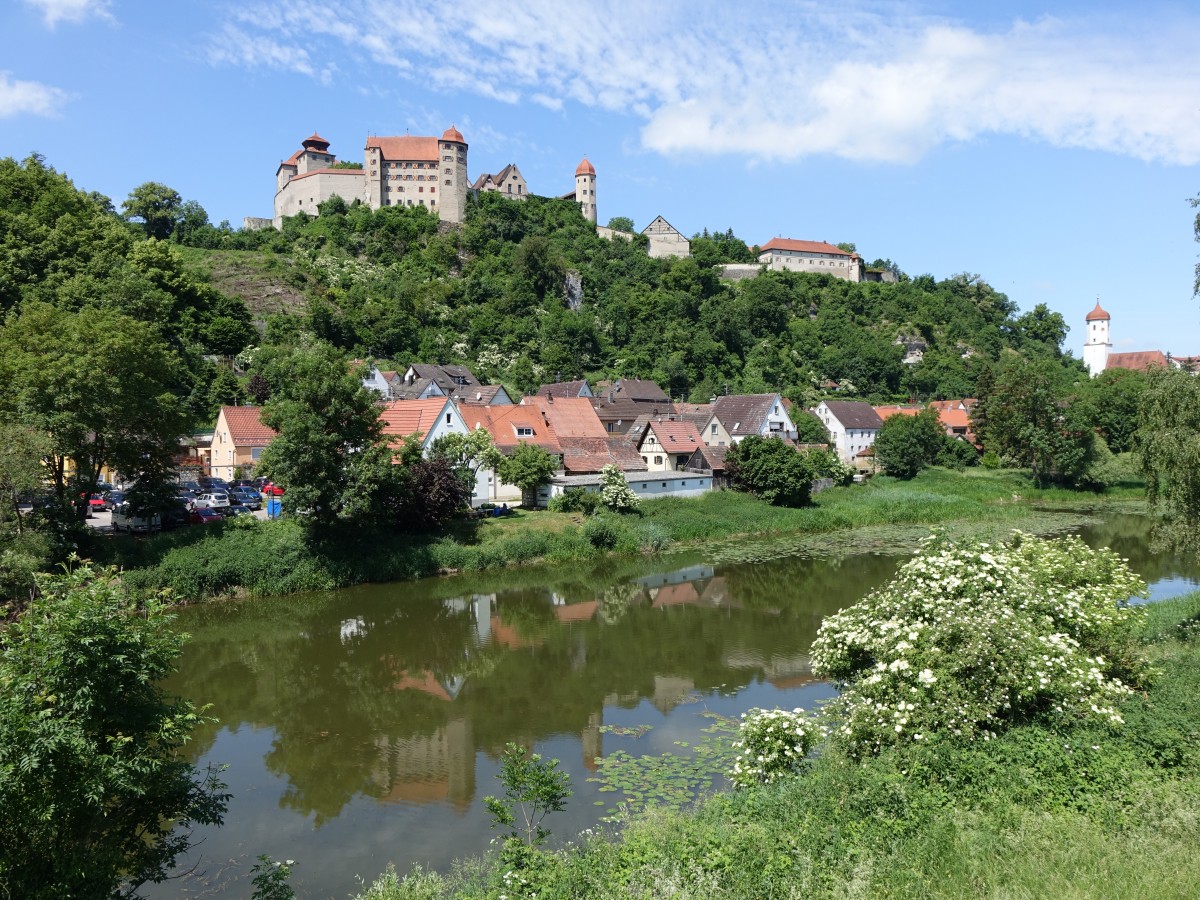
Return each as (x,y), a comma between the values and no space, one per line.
(550,397)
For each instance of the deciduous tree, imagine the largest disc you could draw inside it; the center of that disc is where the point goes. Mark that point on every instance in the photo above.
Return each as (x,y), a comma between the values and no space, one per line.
(907,444)
(770,469)
(156,205)
(1168,441)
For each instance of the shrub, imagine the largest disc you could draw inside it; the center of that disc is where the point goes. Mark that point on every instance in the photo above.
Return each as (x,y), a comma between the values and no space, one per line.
(772,743)
(575,500)
(968,639)
(602,533)
(615,492)
(770,469)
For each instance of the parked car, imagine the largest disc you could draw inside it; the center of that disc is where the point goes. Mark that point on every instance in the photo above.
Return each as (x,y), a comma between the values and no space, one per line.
(186,497)
(236,509)
(212,500)
(247,497)
(177,514)
(272,490)
(205,516)
(193,486)
(96,501)
(124,520)
(113,499)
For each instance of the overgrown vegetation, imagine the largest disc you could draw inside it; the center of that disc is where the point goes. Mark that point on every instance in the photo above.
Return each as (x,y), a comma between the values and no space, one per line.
(1053,802)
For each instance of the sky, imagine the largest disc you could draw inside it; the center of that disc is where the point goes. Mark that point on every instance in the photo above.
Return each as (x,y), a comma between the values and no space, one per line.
(1050,148)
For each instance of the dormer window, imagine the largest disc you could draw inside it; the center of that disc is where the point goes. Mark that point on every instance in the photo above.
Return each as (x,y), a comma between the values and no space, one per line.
(523,430)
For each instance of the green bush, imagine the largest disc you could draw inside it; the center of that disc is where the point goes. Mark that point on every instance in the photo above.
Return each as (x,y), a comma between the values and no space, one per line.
(602,533)
(575,500)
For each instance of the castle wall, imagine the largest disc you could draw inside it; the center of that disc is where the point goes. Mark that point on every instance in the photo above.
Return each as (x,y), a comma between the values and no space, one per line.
(846,267)
(304,193)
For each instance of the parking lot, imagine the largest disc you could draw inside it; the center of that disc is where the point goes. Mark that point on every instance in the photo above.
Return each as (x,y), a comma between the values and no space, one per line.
(101,519)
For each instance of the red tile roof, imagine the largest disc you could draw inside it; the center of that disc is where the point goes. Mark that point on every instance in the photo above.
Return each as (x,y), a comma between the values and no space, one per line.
(569,416)
(245,427)
(585,168)
(1140,360)
(588,455)
(453,134)
(802,246)
(1098,314)
(502,423)
(406,147)
(404,417)
(675,437)
(886,412)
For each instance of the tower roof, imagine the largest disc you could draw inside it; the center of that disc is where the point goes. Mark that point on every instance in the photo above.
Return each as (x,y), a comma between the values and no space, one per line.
(585,168)
(315,142)
(1098,314)
(453,134)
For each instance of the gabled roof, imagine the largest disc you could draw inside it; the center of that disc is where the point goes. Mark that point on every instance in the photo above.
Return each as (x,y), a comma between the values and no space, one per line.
(713,457)
(744,414)
(803,247)
(675,436)
(635,389)
(854,414)
(401,391)
(698,414)
(955,419)
(569,416)
(406,147)
(624,410)
(245,426)
(504,422)
(453,380)
(585,455)
(482,181)
(401,418)
(1140,360)
(564,389)
(485,394)
(657,219)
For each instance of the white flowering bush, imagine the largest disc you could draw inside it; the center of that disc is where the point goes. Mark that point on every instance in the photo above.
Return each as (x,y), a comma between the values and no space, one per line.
(772,743)
(967,639)
(615,492)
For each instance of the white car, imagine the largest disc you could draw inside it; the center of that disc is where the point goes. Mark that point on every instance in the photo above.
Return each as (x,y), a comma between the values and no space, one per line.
(212,500)
(124,520)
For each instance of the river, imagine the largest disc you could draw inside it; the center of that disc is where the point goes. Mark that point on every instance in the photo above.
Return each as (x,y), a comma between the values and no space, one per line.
(363,727)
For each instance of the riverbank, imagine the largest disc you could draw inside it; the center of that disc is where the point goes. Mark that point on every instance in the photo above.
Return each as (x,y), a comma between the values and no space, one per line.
(1082,811)
(278,557)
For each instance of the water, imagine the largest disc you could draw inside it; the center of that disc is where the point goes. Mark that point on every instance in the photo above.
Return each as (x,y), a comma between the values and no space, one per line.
(363,727)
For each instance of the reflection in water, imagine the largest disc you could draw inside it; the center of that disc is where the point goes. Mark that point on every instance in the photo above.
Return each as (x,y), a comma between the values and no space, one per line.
(387,706)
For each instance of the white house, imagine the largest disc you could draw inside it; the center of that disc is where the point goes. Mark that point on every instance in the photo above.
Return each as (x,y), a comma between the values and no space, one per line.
(852,426)
(741,415)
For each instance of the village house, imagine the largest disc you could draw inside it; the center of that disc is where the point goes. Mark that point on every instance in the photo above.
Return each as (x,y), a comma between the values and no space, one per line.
(457,382)
(787,255)
(567,389)
(852,426)
(587,447)
(741,415)
(619,404)
(667,445)
(646,485)
(510,426)
(238,441)
(508,181)
(421,420)
(665,240)
(706,460)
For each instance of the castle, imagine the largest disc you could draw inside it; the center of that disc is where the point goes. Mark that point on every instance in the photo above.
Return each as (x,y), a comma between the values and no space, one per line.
(1098,355)
(401,171)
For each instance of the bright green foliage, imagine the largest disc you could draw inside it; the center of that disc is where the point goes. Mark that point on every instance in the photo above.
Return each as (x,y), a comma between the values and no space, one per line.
(907,444)
(1112,400)
(271,880)
(156,205)
(575,500)
(770,469)
(23,550)
(615,492)
(330,455)
(1168,440)
(99,385)
(968,640)
(772,744)
(528,467)
(467,453)
(533,788)
(96,792)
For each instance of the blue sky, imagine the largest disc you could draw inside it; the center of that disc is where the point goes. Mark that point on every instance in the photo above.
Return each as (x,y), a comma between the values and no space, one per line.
(1050,148)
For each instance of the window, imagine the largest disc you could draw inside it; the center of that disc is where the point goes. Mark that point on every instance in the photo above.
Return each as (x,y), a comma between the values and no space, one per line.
(658,461)
(255,453)
(664,484)
(447,182)
(524,430)
(714,427)
(432,189)
(447,418)
(421,189)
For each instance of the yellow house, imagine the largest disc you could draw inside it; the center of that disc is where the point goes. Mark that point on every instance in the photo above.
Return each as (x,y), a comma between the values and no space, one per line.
(238,441)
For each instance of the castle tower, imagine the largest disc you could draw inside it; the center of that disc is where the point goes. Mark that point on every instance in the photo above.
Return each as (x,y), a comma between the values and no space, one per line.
(1098,346)
(452,149)
(585,189)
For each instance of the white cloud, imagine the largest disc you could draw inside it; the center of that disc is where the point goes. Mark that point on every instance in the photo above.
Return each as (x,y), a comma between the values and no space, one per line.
(72,11)
(235,47)
(783,82)
(31,97)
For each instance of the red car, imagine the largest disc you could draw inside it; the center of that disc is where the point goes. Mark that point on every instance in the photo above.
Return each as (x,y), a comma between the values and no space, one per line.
(271,490)
(205,516)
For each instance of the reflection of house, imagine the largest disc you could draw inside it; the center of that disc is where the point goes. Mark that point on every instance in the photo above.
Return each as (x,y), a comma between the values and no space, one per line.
(238,441)
(429,768)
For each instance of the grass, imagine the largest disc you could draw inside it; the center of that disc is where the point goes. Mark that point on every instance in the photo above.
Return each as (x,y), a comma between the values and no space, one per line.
(1084,811)
(278,557)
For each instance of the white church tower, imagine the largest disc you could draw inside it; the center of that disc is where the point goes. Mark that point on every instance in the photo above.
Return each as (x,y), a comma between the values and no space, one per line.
(1098,346)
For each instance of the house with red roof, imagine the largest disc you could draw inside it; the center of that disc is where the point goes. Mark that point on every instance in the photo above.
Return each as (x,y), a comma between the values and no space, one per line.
(238,441)
(668,444)
(787,255)
(421,420)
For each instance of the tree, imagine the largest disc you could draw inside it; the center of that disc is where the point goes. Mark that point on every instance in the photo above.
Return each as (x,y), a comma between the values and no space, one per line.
(24,549)
(96,791)
(533,787)
(907,444)
(621,223)
(528,467)
(615,492)
(770,469)
(101,386)
(157,206)
(1168,441)
(467,454)
(330,454)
